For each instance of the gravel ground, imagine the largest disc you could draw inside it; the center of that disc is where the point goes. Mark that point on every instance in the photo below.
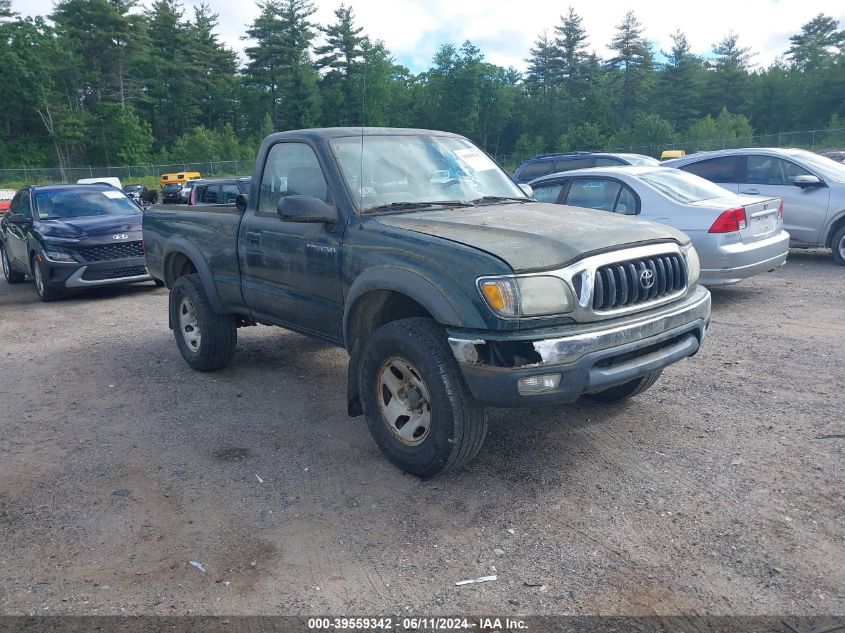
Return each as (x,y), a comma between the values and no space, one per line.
(717,492)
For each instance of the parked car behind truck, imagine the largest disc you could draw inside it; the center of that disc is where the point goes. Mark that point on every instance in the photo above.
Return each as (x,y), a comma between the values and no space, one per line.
(449,288)
(812,188)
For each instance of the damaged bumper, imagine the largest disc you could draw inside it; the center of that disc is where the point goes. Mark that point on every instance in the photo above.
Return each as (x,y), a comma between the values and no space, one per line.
(582,358)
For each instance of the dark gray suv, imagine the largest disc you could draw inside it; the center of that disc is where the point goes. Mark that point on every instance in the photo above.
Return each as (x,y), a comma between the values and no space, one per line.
(555,163)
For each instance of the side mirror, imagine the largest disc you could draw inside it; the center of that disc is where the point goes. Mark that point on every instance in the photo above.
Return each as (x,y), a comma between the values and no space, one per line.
(242,201)
(17,218)
(306,209)
(528,190)
(806,181)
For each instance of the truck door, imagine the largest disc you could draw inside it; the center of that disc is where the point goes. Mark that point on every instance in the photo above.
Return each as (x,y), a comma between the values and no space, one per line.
(16,249)
(291,270)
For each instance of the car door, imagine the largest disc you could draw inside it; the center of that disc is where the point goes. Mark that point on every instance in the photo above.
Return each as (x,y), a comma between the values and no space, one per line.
(603,194)
(804,209)
(723,170)
(16,234)
(291,270)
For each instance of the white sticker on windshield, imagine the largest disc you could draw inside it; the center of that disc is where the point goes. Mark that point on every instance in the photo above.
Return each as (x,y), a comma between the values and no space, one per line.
(476,160)
(114,195)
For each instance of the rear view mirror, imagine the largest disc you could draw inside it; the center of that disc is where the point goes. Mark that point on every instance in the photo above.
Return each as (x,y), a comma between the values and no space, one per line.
(306,209)
(806,181)
(528,190)
(241,201)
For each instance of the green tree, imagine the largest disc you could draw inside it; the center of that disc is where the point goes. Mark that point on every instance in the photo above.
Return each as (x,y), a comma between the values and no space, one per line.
(818,43)
(584,136)
(341,55)
(679,83)
(631,69)
(728,84)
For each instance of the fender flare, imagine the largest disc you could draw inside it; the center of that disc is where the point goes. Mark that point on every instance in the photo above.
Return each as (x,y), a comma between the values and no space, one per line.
(830,226)
(180,246)
(405,282)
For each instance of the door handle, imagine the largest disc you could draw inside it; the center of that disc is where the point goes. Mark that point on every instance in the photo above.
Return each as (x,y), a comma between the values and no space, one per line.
(753,192)
(253,238)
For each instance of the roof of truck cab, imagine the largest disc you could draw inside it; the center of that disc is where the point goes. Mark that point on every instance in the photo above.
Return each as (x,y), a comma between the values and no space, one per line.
(339,132)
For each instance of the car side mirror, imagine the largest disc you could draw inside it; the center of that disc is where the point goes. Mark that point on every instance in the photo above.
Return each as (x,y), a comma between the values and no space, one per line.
(528,190)
(306,209)
(807,180)
(17,218)
(242,201)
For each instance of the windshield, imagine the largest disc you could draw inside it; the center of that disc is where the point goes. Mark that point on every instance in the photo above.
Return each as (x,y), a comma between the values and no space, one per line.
(825,166)
(683,186)
(416,170)
(62,204)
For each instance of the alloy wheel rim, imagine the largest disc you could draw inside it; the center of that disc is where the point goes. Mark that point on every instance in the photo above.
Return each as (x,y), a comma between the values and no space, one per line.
(842,247)
(39,282)
(404,401)
(189,324)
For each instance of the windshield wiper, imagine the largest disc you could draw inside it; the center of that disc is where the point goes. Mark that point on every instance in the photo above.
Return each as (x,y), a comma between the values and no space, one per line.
(394,207)
(486,199)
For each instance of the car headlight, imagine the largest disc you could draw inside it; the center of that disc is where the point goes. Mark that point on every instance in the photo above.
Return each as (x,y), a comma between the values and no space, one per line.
(693,265)
(58,256)
(513,297)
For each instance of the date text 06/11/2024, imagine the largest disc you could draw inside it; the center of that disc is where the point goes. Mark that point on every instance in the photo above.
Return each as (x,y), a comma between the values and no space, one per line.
(418,623)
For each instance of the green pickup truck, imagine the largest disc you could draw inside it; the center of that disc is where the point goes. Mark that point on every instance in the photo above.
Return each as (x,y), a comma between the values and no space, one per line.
(449,287)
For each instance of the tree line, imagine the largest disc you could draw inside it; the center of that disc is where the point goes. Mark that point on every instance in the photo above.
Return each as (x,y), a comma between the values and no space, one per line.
(110,82)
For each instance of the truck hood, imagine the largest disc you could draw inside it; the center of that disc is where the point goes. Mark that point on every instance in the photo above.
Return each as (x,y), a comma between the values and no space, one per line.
(535,236)
(75,228)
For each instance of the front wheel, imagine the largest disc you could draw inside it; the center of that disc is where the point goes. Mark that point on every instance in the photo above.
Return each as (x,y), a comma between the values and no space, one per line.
(417,406)
(627,389)
(12,276)
(838,246)
(206,340)
(41,275)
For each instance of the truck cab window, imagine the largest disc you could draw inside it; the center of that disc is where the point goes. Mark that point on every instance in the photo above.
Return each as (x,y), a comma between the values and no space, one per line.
(291,169)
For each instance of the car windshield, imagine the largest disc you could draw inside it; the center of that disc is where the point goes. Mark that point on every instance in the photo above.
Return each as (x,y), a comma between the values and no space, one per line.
(827,167)
(61,204)
(411,172)
(639,159)
(172,187)
(682,186)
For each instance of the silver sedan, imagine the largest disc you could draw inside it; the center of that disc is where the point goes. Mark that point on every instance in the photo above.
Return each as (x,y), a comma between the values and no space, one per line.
(736,236)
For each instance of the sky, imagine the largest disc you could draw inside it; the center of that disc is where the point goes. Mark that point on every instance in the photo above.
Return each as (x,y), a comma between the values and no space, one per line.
(505,30)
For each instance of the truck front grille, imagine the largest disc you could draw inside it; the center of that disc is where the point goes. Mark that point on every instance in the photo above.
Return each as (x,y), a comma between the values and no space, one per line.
(637,281)
(109,252)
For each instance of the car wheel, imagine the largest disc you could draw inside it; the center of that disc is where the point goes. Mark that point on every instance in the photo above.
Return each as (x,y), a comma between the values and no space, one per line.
(40,275)
(12,276)
(627,389)
(417,406)
(838,246)
(206,340)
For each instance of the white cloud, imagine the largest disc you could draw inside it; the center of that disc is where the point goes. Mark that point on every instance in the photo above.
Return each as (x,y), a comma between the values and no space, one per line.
(506,30)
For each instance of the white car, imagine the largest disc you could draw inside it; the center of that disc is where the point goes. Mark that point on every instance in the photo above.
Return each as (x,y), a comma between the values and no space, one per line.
(812,188)
(735,236)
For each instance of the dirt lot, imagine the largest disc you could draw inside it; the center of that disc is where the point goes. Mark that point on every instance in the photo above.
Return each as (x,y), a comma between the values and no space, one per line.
(720,491)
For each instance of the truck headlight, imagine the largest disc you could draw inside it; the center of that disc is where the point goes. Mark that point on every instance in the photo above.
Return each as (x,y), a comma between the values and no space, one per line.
(58,256)
(526,296)
(693,265)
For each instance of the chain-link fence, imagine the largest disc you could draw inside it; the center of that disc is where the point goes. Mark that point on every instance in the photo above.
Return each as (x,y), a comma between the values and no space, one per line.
(126,173)
(816,140)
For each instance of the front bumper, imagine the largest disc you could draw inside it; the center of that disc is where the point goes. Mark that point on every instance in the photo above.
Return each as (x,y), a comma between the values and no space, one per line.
(108,273)
(592,357)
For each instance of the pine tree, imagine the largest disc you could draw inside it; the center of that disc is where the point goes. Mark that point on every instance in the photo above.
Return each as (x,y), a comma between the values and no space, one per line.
(728,84)
(632,69)
(342,55)
(679,83)
(817,44)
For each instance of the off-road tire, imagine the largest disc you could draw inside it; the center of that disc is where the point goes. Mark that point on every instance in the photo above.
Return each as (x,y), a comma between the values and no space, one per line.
(218,332)
(627,389)
(12,276)
(39,274)
(838,246)
(458,424)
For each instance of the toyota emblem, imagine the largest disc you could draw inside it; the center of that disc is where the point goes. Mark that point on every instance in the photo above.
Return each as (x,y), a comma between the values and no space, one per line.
(647,279)
(120,236)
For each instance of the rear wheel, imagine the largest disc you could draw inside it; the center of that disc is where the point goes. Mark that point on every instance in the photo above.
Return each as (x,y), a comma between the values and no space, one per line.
(12,276)
(627,389)
(206,340)
(41,275)
(838,246)
(418,408)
